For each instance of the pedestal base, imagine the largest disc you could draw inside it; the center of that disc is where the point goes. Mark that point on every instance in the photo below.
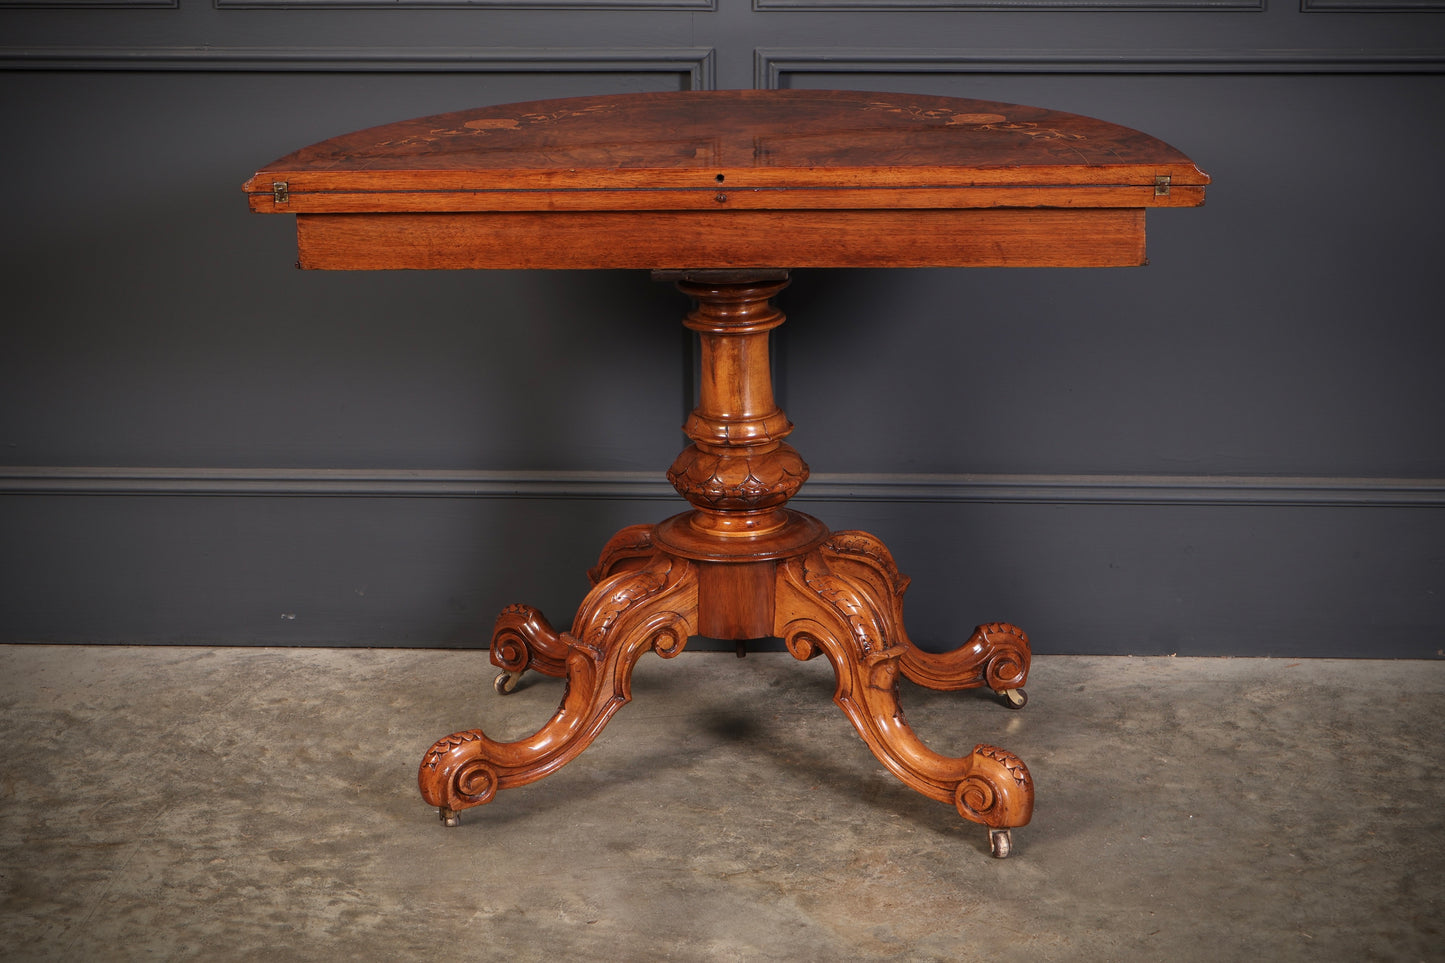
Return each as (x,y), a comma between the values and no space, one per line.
(838,595)
(740,565)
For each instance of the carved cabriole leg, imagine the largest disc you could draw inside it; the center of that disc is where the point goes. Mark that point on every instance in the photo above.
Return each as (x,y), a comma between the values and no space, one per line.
(822,610)
(996,655)
(652,607)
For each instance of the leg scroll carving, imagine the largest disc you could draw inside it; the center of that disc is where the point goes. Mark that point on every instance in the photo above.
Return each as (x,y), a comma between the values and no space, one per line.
(996,655)
(997,785)
(523,639)
(629,548)
(824,610)
(637,610)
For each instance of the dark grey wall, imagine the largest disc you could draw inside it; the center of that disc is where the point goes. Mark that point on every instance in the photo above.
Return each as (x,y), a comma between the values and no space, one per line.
(1237,450)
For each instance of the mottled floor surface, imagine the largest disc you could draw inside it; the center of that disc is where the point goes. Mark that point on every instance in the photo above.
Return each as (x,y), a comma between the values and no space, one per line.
(239,804)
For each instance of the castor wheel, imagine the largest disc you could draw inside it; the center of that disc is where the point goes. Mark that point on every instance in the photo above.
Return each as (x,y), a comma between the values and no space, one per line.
(1000,843)
(506,682)
(1015,698)
(449,817)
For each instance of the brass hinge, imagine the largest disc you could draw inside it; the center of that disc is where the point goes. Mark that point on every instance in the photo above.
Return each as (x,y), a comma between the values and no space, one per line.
(280,195)
(1161,185)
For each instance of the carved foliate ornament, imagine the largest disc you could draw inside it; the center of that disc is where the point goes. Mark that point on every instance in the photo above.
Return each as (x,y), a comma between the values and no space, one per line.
(738,481)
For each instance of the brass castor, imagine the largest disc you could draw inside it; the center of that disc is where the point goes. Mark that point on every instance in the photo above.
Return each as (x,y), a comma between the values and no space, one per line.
(1000,843)
(1015,698)
(506,682)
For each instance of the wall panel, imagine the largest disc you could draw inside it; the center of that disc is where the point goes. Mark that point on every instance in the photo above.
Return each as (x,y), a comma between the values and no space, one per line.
(1233,451)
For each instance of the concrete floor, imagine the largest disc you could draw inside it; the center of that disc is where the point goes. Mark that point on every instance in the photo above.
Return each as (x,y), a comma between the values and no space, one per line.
(238,804)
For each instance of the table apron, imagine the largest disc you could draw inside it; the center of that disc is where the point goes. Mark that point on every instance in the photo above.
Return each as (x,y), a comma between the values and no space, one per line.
(1007,237)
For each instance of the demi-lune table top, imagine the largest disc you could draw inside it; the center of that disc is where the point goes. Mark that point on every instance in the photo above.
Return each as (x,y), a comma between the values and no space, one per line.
(730,179)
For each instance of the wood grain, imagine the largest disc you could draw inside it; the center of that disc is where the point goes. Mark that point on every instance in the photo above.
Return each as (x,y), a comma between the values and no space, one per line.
(732,140)
(681,239)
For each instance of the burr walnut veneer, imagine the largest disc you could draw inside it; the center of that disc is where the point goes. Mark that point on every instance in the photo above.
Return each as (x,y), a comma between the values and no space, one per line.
(722,192)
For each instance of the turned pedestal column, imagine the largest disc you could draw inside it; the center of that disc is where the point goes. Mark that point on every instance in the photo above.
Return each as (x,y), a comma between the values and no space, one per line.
(738,473)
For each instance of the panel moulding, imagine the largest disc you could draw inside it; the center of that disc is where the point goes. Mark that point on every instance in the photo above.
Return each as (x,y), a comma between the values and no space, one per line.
(692,6)
(1234,490)
(1004,6)
(88,4)
(696,64)
(770,66)
(1372,6)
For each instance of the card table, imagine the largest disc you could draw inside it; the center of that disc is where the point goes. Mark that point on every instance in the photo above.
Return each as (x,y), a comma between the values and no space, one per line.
(723,193)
